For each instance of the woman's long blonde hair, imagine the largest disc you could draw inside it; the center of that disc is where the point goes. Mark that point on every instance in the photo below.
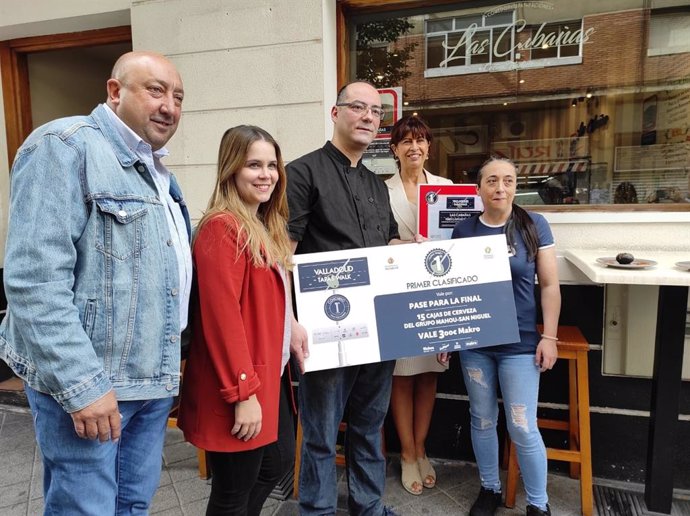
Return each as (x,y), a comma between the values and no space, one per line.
(264,234)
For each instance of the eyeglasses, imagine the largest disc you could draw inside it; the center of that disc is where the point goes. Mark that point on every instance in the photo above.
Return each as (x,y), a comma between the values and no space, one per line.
(359,108)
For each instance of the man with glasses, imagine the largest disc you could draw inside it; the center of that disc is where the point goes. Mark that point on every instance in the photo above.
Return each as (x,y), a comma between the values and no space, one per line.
(337,203)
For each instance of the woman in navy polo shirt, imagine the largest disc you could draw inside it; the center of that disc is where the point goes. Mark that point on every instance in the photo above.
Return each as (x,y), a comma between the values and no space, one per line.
(515,366)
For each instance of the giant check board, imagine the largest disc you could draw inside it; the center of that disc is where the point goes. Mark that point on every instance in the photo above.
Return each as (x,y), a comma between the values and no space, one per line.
(381,303)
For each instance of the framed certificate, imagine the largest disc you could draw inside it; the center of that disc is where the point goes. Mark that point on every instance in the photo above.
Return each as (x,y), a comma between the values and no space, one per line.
(442,206)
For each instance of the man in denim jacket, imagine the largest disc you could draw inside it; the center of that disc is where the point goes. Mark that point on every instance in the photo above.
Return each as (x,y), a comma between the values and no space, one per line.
(97,275)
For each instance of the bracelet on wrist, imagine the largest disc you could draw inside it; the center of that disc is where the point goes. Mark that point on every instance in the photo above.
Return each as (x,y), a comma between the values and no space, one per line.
(549,337)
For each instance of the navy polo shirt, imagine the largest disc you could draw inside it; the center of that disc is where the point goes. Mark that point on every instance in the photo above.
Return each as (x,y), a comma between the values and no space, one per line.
(522,272)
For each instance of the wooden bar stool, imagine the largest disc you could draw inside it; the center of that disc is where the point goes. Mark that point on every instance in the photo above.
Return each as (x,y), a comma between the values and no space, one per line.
(573,347)
(204,470)
(339,457)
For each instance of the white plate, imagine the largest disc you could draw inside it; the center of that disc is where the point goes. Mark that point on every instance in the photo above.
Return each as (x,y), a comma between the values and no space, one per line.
(637,263)
(683,265)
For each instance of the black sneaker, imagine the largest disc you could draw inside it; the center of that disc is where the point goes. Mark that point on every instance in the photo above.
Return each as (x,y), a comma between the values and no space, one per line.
(486,503)
(533,510)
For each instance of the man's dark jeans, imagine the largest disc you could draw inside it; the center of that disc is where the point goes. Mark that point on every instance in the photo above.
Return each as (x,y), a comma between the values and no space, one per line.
(323,397)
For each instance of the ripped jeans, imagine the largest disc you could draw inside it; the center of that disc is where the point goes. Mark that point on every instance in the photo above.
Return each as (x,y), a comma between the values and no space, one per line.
(519,381)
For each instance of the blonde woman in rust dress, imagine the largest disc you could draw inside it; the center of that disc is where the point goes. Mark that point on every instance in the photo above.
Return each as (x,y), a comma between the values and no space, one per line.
(414,379)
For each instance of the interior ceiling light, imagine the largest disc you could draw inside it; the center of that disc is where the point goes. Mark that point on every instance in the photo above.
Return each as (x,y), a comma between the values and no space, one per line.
(505,103)
(522,81)
(406,103)
(545,46)
(574,103)
(589,95)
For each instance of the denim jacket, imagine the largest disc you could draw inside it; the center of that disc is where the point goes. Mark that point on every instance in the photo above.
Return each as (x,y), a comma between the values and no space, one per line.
(90,271)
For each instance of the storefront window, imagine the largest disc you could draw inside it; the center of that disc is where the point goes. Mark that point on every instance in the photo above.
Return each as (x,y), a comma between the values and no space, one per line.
(592,102)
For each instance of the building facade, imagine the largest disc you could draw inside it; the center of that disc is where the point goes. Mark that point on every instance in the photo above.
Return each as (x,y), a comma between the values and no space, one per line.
(590,99)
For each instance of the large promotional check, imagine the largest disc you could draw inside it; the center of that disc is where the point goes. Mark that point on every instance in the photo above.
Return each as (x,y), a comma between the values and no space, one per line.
(381,303)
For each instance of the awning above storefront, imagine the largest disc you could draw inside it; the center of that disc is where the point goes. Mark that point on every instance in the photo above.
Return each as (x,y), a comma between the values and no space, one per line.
(549,168)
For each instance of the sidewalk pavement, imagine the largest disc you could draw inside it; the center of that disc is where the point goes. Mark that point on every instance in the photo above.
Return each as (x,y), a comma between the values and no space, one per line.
(183,493)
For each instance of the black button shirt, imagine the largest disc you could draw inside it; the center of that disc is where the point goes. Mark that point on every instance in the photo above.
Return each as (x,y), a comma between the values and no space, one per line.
(336,206)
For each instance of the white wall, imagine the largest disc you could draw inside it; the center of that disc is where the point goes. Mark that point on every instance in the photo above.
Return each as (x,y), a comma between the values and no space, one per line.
(623,231)
(22,18)
(259,62)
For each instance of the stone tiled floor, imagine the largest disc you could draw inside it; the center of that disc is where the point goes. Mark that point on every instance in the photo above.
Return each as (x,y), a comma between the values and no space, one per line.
(182,492)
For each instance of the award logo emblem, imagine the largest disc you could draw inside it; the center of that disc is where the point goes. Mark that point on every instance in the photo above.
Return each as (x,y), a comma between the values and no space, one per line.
(438,262)
(432,197)
(337,307)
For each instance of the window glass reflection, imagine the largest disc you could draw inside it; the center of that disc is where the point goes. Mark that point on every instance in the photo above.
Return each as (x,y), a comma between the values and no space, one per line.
(593,105)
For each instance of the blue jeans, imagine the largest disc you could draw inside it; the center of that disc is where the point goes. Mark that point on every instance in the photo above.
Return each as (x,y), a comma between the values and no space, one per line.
(519,380)
(82,476)
(323,397)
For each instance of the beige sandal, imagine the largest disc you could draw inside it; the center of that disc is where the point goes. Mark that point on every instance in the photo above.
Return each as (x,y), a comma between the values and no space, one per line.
(427,472)
(410,477)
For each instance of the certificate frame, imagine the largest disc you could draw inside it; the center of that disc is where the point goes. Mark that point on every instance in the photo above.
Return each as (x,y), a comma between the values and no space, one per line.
(440,207)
